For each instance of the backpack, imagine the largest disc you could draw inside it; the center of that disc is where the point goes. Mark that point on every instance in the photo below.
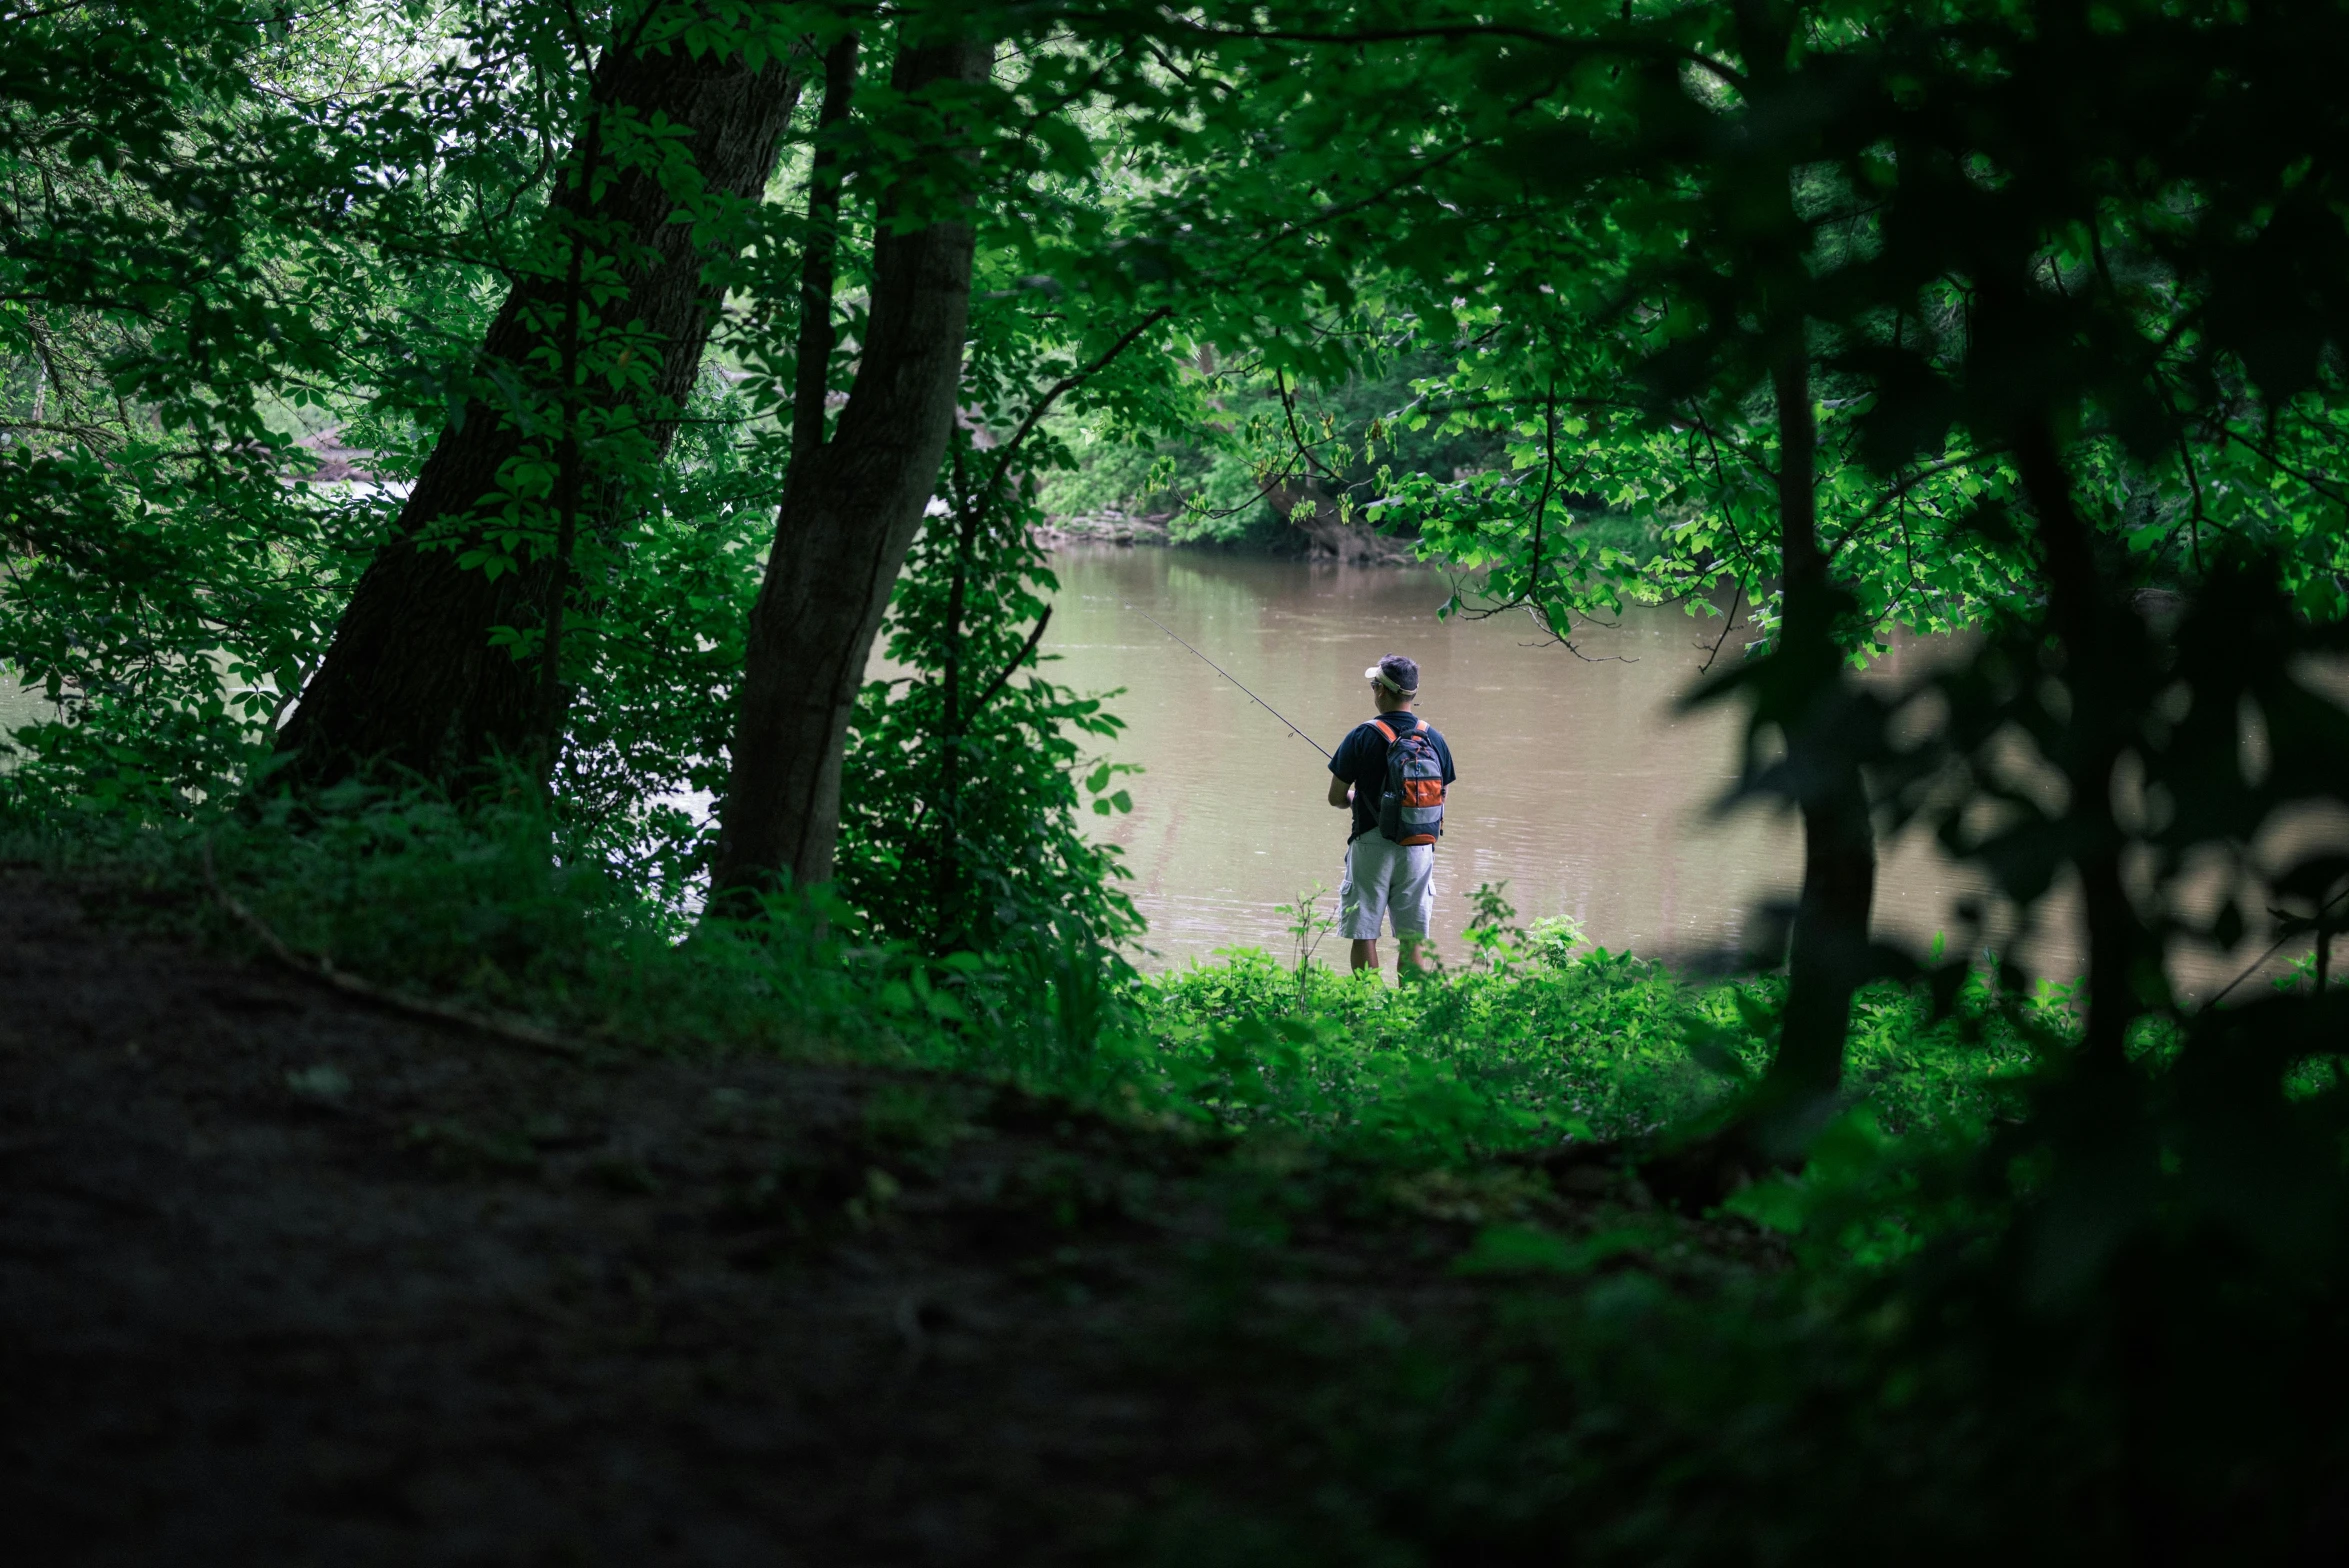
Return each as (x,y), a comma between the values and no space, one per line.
(1411,811)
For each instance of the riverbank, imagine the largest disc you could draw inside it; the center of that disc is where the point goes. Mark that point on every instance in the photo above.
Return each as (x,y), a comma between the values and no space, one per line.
(1317,539)
(1110,528)
(540,1236)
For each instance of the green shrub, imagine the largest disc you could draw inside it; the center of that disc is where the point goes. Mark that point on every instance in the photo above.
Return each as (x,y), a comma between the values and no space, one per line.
(1542,1041)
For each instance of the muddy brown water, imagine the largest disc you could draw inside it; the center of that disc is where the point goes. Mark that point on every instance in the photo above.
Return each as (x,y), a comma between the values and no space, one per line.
(1583,784)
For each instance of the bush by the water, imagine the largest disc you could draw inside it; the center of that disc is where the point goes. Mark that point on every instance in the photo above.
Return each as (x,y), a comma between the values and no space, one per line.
(1561,1044)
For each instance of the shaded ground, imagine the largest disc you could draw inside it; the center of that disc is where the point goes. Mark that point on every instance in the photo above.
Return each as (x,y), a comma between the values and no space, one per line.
(287,1279)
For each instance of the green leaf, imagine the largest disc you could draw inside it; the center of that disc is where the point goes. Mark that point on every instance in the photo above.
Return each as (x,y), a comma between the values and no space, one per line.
(1520,1249)
(1774,1203)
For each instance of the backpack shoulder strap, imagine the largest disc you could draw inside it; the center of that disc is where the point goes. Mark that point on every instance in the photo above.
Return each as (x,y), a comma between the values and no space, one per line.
(1380,725)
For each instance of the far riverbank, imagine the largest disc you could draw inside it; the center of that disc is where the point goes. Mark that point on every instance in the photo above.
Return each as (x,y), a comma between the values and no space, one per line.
(1353,544)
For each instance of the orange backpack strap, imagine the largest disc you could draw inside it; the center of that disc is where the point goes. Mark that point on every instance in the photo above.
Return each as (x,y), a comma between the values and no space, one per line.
(1380,726)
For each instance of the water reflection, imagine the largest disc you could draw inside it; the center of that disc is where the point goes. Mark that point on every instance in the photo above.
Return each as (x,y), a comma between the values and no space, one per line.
(1580,783)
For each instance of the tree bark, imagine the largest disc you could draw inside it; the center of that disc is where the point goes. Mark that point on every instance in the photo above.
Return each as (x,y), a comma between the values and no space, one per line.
(411,680)
(2079,608)
(1827,956)
(851,507)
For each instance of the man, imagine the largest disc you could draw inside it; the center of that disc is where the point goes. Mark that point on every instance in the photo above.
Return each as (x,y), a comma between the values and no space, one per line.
(1384,878)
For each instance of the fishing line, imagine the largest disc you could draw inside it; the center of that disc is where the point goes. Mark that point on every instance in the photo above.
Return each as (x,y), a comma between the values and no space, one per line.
(2316,925)
(1235,680)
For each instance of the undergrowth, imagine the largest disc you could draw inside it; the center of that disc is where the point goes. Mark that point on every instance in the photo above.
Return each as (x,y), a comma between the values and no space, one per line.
(1551,1044)
(1542,1043)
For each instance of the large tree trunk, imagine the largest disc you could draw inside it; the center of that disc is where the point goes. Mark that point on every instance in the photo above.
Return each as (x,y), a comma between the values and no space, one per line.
(412,679)
(851,507)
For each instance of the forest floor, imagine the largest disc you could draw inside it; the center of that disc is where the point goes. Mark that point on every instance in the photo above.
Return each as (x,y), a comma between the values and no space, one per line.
(289,1278)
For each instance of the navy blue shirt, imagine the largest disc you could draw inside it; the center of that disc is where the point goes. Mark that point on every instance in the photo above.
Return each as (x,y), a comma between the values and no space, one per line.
(1361,760)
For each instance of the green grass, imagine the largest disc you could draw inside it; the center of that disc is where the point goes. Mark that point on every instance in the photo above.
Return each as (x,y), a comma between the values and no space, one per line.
(474,907)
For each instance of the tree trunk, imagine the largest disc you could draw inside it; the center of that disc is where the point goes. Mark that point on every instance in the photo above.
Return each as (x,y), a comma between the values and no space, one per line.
(411,679)
(2079,607)
(850,510)
(1827,957)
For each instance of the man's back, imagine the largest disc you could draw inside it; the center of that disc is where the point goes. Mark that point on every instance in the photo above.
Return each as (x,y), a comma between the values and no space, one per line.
(1361,760)
(1390,877)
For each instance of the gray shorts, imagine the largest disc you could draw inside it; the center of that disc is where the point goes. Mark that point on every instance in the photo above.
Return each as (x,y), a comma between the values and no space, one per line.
(1383,879)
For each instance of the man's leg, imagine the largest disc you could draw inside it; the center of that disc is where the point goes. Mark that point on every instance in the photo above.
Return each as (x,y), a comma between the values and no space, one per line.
(1386,866)
(1411,900)
(1362,903)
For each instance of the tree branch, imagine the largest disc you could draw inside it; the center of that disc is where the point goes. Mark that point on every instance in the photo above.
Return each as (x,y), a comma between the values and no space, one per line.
(1035,636)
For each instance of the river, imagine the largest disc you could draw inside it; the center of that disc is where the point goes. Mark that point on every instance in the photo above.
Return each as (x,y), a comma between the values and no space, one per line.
(1582,786)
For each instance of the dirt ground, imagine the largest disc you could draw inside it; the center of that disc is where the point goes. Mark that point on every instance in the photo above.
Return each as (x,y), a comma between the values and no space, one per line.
(289,1278)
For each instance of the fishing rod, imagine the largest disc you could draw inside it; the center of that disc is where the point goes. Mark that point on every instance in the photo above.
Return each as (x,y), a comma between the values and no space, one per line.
(1235,680)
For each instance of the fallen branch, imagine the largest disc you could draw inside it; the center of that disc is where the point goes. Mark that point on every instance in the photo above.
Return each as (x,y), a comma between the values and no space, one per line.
(323,971)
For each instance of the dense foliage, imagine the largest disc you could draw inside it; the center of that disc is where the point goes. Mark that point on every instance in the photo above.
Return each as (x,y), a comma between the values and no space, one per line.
(962,788)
